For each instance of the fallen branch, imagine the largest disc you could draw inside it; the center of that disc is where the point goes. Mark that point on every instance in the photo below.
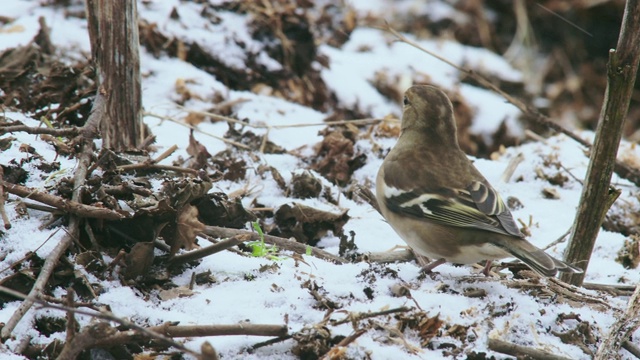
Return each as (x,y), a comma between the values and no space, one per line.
(555,288)
(67,132)
(386,257)
(209,250)
(157,167)
(247,329)
(519,351)
(617,290)
(71,206)
(282,243)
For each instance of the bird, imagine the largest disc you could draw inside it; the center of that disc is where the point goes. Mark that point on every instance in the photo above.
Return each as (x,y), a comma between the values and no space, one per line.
(436,200)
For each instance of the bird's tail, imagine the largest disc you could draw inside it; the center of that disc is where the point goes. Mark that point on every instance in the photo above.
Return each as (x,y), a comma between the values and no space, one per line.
(537,259)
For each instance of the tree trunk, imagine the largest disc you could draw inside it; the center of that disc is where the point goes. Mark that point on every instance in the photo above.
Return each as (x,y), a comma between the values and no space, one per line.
(113,31)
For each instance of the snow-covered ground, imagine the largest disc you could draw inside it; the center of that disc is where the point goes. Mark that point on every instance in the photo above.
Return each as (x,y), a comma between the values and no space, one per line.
(273,296)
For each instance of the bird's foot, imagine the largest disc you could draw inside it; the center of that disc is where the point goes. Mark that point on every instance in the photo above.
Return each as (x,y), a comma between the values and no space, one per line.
(487,268)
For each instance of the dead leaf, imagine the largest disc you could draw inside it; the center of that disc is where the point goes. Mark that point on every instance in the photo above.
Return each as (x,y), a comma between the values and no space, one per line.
(217,209)
(306,224)
(338,159)
(174,293)
(629,254)
(139,260)
(428,329)
(304,185)
(198,152)
(187,228)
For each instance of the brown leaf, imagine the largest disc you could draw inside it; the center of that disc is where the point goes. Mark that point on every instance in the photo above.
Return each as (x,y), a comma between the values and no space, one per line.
(139,260)
(187,228)
(199,153)
(194,118)
(428,329)
(629,254)
(308,225)
(337,157)
(304,185)
(217,209)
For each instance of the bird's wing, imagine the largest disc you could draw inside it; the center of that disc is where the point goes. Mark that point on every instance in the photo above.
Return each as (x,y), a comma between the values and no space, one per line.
(487,200)
(477,207)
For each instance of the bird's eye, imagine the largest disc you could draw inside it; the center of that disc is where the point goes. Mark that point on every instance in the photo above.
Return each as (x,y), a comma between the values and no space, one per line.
(405,101)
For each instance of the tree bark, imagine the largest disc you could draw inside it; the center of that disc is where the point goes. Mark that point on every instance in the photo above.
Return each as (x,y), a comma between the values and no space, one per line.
(622,69)
(115,48)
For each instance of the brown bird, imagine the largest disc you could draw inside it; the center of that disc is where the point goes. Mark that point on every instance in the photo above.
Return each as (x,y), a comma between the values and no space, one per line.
(439,203)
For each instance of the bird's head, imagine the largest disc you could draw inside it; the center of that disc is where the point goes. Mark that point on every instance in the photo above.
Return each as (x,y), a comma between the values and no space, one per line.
(428,111)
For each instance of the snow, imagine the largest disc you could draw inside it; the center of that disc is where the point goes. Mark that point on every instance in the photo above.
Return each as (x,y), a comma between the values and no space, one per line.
(273,296)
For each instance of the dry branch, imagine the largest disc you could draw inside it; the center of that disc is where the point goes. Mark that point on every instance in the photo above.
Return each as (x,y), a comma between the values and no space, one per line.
(67,132)
(356,316)
(521,352)
(282,243)
(221,330)
(596,193)
(70,206)
(386,257)
(158,167)
(209,250)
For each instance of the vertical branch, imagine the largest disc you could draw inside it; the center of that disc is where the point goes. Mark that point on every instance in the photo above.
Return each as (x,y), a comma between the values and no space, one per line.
(621,75)
(113,31)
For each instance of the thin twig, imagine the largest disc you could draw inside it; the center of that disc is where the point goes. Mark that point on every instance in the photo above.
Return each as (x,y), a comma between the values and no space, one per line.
(622,169)
(71,206)
(364,121)
(356,316)
(282,243)
(148,166)
(209,250)
(196,129)
(562,238)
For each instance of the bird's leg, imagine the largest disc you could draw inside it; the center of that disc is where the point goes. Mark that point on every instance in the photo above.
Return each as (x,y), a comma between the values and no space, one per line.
(427,268)
(487,268)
